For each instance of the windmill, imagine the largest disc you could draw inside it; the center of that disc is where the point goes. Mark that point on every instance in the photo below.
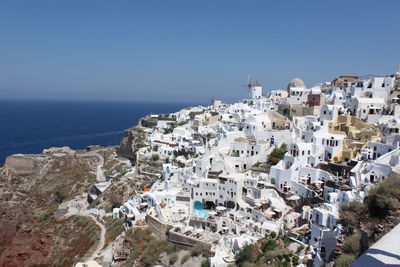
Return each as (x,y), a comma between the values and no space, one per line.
(250,83)
(253,92)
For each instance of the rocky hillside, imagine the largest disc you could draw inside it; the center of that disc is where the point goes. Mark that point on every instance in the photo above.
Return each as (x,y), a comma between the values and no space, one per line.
(31,189)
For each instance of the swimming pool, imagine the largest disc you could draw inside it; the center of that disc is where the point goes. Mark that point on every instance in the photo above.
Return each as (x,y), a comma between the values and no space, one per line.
(198,210)
(201,213)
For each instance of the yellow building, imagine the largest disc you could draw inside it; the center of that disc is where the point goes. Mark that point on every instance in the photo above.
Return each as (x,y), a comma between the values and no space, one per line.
(357,133)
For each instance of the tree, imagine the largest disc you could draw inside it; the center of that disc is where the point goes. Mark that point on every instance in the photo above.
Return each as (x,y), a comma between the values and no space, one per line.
(245,255)
(352,245)
(385,197)
(277,154)
(352,214)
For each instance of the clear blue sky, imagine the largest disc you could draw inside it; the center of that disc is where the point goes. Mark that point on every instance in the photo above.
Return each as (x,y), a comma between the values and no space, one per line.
(188,50)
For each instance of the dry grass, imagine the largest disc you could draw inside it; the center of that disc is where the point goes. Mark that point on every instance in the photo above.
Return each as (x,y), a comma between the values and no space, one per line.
(114,228)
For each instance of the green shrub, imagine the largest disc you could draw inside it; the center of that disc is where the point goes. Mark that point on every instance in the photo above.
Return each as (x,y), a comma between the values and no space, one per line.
(45,217)
(185,258)
(299,249)
(286,240)
(305,260)
(153,250)
(344,260)
(295,260)
(155,157)
(173,258)
(205,263)
(116,204)
(269,245)
(60,196)
(277,252)
(245,255)
(277,154)
(196,251)
(352,245)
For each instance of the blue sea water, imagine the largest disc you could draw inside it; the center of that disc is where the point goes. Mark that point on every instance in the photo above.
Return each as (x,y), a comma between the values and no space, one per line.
(30,126)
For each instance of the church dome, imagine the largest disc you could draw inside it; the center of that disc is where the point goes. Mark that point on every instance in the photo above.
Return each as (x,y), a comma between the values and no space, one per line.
(296,82)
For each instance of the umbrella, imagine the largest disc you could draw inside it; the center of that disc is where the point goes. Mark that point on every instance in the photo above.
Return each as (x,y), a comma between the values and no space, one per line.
(270,212)
(198,230)
(294,198)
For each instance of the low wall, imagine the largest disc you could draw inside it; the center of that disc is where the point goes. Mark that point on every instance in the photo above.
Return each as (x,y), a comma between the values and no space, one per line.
(156,226)
(186,240)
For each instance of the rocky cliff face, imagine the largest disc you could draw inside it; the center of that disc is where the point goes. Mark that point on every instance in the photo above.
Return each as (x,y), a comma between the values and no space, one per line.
(134,139)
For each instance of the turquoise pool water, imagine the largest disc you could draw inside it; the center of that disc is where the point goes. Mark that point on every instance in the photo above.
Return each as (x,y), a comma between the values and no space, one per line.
(201,213)
(198,210)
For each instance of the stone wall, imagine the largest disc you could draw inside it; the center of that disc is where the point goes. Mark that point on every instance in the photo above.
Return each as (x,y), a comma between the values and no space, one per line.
(156,226)
(186,240)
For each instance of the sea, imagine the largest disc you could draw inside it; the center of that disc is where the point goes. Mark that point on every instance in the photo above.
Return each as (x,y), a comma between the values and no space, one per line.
(28,127)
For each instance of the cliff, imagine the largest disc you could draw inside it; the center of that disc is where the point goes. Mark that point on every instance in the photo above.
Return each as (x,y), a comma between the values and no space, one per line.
(134,138)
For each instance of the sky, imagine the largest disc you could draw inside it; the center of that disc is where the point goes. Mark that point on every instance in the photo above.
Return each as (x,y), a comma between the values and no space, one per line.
(190,51)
